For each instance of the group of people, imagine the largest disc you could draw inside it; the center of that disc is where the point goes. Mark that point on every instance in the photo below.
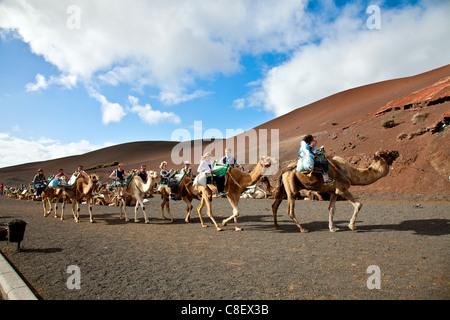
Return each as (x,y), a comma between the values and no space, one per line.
(40,182)
(306,152)
(206,166)
(120,180)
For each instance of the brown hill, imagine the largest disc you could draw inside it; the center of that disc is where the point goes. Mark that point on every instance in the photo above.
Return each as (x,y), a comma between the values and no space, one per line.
(408,114)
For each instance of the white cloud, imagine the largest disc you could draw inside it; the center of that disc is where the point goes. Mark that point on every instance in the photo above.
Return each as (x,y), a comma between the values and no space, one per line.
(38,150)
(41,83)
(150,116)
(66,81)
(164,44)
(410,41)
(111,112)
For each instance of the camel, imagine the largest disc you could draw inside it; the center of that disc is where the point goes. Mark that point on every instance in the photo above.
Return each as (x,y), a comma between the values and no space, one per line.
(206,194)
(79,190)
(236,183)
(182,193)
(137,189)
(269,189)
(47,196)
(105,197)
(344,176)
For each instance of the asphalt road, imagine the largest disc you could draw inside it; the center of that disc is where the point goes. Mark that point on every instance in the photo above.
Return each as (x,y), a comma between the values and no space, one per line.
(408,246)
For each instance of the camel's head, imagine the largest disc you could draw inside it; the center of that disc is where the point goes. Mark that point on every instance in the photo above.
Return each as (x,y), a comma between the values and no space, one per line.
(152,174)
(388,155)
(265,161)
(270,165)
(95,181)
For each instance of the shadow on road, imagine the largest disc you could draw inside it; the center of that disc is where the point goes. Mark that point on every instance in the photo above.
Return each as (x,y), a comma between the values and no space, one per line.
(429,227)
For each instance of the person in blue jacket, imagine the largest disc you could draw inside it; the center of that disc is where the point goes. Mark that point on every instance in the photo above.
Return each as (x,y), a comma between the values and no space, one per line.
(307,151)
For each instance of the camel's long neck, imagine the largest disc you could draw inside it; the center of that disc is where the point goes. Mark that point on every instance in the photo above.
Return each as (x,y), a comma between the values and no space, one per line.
(87,188)
(253,177)
(146,186)
(366,176)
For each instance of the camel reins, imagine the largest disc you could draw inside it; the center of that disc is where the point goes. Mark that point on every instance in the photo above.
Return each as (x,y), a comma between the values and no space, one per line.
(234,180)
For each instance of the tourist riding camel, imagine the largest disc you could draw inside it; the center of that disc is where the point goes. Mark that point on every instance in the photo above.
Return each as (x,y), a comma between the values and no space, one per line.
(167,179)
(311,158)
(39,182)
(229,159)
(291,182)
(118,176)
(206,167)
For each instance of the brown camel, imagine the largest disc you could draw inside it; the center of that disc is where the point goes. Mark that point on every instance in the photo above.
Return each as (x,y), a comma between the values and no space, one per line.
(344,176)
(236,183)
(205,194)
(81,189)
(47,196)
(182,193)
(269,189)
(137,188)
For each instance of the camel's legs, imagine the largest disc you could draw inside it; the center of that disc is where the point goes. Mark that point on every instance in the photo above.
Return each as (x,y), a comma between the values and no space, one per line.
(291,211)
(279,196)
(89,203)
(61,194)
(188,209)
(122,206)
(275,206)
(199,210)
(331,209)
(56,205)
(63,207)
(139,202)
(76,216)
(356,205)
(165,203)
(210,215)
(168,211)
(233,200)
(44,204)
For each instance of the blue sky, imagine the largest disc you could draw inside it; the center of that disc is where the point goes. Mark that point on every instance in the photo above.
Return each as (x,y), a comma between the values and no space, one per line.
(80,75)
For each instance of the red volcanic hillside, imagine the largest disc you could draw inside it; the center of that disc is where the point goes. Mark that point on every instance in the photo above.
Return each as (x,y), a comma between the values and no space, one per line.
(410,115)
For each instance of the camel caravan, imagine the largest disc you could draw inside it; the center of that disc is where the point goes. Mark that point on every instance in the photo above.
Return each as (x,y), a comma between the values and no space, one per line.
(311,176)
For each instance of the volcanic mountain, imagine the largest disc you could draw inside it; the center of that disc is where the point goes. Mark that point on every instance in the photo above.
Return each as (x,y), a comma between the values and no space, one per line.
(410,115)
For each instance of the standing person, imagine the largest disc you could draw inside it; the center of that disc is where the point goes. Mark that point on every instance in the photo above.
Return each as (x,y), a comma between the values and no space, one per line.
(1,189)
(187,170)
(118,175)
(307,151)
(229,159)
(39,182)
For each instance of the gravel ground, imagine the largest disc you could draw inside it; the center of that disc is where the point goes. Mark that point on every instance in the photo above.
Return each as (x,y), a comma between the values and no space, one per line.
(180,261)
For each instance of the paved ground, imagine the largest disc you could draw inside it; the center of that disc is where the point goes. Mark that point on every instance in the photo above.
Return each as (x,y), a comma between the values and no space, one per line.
(161,260)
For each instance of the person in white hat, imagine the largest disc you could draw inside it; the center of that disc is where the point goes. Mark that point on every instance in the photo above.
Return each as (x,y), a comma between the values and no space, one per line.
(187,170)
